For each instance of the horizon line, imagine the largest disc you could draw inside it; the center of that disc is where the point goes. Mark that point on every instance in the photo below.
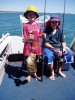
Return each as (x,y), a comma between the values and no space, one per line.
(38,12)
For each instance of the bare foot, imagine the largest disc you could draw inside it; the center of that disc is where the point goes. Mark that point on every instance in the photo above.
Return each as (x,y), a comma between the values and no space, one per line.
(52,77)
(28,78)
(36,77)
(62,74)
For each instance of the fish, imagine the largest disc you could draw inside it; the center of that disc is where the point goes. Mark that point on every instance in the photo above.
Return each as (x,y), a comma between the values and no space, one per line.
(31,63)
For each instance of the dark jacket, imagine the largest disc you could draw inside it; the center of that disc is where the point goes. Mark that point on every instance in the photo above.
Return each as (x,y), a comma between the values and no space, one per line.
(55,39)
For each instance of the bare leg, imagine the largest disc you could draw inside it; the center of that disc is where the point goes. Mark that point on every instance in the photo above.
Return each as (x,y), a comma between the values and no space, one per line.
(60,72)
(28,78)
(52,72)
(35,75)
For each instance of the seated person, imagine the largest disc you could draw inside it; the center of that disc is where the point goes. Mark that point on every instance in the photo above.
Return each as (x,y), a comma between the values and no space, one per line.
(55,46)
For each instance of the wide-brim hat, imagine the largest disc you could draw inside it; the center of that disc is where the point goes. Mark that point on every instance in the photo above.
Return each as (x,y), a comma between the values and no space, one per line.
(53,19)
(31,9)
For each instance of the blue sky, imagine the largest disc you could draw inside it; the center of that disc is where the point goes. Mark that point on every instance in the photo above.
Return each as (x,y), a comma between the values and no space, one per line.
(52,6)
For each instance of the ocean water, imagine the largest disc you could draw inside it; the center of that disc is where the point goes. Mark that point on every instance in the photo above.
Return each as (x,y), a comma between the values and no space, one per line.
(10,23)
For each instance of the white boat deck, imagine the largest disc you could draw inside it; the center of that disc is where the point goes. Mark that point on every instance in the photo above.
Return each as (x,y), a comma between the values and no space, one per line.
(16,45)
(9,45)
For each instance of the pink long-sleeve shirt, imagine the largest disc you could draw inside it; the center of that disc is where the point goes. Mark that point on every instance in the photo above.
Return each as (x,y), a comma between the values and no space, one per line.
(37,31)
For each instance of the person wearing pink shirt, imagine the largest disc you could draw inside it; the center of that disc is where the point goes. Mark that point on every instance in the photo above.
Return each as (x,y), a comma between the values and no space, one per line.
(32,32)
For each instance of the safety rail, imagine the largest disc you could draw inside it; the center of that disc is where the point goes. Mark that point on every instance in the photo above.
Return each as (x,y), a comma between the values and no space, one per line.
(4,51)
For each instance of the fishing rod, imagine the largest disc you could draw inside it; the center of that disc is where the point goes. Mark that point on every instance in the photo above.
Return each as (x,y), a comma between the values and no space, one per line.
(61,49)
(63,22)
(44,13)
(63,16)
(42,59)
(60,60)
(62,25)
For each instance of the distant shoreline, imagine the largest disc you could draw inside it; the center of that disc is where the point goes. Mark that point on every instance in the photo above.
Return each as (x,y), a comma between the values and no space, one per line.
(10,11)
(23,12)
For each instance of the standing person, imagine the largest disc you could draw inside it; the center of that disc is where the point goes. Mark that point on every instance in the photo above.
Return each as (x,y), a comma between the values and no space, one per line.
(32,32)
(53,42)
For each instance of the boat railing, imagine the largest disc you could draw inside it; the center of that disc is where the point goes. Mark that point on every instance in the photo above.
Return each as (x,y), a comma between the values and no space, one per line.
(38,20)
(4,51)
(3,37)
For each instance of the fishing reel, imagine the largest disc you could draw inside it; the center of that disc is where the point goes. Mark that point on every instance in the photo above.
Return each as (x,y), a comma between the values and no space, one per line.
(60,61)
(31,41)
(41,58)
